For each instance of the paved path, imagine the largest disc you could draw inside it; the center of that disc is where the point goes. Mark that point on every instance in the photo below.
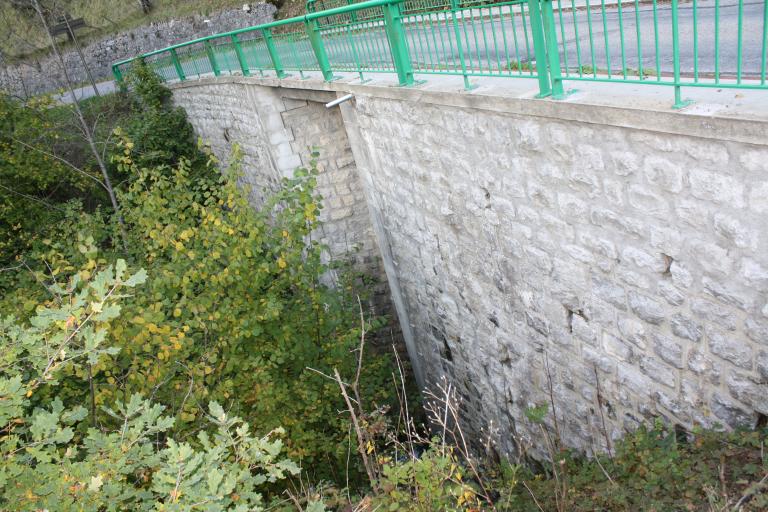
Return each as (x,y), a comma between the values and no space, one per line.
(86,92)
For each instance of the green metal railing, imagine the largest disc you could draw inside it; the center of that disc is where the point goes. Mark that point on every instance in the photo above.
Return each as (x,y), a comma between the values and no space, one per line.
(699,43)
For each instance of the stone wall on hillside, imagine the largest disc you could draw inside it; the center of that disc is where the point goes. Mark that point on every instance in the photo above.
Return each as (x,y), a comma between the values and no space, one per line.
(44,74)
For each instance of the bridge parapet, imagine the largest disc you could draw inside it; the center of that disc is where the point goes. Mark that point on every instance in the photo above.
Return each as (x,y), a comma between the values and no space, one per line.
(557,43)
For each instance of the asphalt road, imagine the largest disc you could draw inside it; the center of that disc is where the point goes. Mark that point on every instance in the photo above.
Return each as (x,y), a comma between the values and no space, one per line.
(82,93)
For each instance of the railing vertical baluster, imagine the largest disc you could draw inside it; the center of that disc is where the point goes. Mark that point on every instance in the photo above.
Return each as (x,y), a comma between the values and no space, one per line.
(562,35)
(578,39)
(717,41)
(765,43)
(679,102)
(656,40)
(396,36)
(355,55)
(212,58)
(276,62)
(553,52)
(695,41)
(605,39)
(240,55)
(316,40)
(539,48)
(177,65)
(740,42)
(459,47)
(639,40)
(621,41)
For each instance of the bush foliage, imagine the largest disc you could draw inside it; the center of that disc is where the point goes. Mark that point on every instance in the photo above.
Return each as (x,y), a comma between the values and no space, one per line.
(233,312)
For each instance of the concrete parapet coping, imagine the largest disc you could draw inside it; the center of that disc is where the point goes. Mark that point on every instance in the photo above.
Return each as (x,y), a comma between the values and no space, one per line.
(722,114)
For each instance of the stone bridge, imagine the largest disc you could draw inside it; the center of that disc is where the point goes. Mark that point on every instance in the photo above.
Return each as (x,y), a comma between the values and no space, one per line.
(603,255)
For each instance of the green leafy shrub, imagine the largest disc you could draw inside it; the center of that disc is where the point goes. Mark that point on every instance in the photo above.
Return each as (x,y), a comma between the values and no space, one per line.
(161,133)
(654,468)
(57,458)
(34,183)
(432,481)
(234,310)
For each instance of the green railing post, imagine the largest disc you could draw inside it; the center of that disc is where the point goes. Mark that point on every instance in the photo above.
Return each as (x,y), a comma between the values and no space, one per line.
(118,75)
(276,62)
(539,48)
(313,30)
(119,79)
(396,35)
(212,58)
(553,52)
(177,65)
(240,55)
(679,101)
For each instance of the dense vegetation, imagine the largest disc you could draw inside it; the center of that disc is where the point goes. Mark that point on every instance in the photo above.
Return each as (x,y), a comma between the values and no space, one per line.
(185,355)
(229,307)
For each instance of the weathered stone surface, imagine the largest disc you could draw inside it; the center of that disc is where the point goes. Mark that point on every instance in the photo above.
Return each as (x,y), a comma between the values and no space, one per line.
(748,390)
(663,173)
(658,371)
(718,188)
(671,294)
(669,350)
(685,327)
(734,231)
(646,308)
(702,364)
(731,413)
(714,313)
(732,350)
(757,330)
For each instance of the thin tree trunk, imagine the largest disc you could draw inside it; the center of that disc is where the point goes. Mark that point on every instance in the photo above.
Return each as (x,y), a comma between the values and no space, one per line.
(86,129)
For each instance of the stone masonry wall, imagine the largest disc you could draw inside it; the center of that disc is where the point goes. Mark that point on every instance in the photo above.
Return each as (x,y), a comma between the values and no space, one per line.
(43,75)
(627,268)
(616,259)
